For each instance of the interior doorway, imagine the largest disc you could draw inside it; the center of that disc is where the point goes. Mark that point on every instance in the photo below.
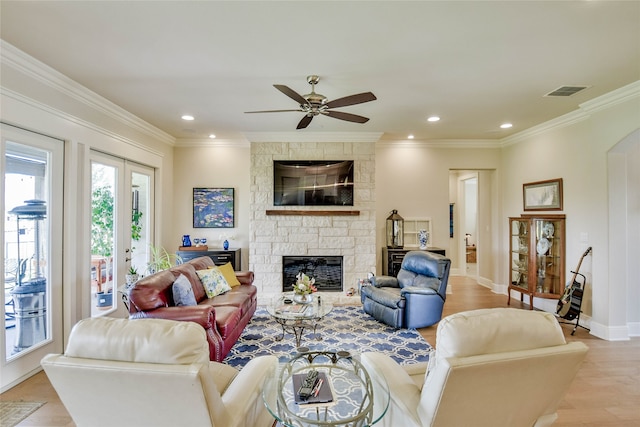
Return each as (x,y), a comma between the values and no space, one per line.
(470,224)
(472,193)
(467,238)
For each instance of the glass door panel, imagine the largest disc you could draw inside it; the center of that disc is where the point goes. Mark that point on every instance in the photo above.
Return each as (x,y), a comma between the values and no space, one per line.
(105,181)
(141,220)
(121,228)
(31,247)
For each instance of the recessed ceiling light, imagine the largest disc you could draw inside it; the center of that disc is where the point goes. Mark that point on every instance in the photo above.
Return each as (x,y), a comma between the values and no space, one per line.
(506,125)
(410,136)
(187,117)
(433,119)
(212,136)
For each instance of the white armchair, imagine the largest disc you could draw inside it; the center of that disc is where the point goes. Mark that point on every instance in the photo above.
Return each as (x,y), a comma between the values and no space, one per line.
(154,372)
(492,367)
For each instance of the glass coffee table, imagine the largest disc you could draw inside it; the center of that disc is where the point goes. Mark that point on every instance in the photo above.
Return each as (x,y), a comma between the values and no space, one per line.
(350,402)
(295,318)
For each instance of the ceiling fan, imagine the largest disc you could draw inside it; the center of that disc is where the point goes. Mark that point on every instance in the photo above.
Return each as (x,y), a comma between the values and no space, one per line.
(314,103)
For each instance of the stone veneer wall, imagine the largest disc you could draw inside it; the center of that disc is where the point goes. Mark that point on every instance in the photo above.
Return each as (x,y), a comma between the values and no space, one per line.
(271,237)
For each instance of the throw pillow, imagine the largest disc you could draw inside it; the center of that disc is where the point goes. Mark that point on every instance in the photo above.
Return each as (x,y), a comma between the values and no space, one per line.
(213,281)
(182,292)
(229,274)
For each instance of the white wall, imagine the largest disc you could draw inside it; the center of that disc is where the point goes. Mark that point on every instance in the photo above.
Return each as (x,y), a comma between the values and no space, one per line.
(214,165)
(414,178)
(575,149)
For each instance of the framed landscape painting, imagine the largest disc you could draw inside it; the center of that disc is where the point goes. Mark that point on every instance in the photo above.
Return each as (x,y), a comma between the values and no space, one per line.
(543,195)
(213,208)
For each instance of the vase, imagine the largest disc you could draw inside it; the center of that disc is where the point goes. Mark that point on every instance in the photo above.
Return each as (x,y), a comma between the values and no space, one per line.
(225,245)
(423,238)
(186,240)
(302,298)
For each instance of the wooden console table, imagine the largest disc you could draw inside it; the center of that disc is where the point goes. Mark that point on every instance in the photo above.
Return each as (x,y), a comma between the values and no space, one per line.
(219,257)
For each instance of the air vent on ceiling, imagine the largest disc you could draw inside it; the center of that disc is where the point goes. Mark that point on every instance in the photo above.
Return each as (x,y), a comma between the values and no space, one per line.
(566,90)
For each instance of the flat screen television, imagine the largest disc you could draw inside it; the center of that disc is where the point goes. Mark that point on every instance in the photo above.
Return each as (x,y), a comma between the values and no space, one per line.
(313,182)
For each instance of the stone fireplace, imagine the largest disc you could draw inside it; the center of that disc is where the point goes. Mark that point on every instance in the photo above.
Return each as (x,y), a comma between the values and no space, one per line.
(326,270)
(312,231)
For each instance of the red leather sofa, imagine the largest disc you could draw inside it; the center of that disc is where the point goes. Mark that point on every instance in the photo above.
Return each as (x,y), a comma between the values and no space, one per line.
(223,317)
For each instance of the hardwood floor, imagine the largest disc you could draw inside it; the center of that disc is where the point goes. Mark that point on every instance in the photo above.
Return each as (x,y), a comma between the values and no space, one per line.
(606,392)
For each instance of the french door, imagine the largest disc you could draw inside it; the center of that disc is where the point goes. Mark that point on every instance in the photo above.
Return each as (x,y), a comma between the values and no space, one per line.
(32,188)
(121,227)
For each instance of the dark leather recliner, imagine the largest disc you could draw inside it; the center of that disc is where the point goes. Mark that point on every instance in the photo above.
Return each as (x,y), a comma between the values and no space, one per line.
(415,298)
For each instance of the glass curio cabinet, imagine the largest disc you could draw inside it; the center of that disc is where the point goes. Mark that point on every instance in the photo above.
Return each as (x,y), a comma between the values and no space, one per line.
(537,256)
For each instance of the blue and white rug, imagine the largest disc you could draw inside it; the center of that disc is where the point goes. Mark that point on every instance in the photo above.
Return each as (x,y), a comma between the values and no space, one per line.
(345,328)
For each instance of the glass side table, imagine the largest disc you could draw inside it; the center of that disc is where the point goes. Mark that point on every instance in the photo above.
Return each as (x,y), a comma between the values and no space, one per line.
(353,403)
(291,320)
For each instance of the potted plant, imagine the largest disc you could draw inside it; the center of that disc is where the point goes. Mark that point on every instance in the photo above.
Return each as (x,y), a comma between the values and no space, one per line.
(160,259)
(132,276)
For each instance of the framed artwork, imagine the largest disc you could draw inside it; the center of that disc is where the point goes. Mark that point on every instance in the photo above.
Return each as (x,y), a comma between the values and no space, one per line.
(213,208)
(543,195)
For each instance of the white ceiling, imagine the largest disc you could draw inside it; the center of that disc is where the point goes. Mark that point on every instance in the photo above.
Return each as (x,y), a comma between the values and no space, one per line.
(476,64)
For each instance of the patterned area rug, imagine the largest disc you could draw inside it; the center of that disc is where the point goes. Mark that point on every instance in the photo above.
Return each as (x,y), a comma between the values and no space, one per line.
(11,413)
(345,328)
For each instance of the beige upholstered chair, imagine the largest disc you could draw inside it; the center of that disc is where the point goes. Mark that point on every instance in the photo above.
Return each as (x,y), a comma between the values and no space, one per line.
(154,372)
(492,367)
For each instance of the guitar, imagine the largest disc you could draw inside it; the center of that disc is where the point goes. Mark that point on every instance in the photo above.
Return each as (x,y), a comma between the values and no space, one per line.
(570,302)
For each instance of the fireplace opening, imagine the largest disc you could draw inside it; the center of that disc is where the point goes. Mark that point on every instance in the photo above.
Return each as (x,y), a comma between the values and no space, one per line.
(327,270)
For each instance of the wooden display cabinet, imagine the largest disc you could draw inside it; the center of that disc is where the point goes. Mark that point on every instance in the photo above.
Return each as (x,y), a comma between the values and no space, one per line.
(537,256)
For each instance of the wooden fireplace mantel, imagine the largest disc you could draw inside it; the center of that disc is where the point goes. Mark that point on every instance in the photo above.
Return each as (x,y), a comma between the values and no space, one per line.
(271,212)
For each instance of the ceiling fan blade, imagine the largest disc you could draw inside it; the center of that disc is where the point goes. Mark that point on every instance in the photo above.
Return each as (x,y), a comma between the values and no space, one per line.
(304,122)
(345,116)
(291,94)
(272,111)
(351,100)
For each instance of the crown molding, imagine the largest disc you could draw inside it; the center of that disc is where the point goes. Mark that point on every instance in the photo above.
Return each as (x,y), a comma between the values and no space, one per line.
(442,143)
(25,64)
(313,136)
(559,122)
(207,142)
(618,96)
(586,109)
(73,119)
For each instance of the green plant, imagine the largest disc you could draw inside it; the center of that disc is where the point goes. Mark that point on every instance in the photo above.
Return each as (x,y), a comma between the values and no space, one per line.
(136,226)
(133,270)
(160,259)
(102,221)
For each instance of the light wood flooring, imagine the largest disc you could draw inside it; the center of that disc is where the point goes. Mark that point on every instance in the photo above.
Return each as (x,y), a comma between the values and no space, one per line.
(606,392)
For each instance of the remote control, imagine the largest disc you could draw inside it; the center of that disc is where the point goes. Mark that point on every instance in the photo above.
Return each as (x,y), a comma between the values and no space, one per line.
(306,388)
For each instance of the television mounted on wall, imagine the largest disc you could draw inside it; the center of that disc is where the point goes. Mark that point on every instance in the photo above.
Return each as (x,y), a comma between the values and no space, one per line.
(313,182)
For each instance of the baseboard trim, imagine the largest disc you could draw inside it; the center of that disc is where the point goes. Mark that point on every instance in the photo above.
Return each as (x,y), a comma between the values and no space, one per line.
(610,333)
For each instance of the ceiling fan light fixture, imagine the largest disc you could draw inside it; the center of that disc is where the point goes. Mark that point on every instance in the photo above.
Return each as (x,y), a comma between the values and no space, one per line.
(314,104)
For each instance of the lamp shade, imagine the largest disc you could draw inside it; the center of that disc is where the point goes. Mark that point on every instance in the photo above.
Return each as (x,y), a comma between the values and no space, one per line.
(395,231)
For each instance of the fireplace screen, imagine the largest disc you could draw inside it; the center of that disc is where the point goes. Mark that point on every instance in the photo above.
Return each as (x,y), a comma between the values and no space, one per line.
(327,270)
